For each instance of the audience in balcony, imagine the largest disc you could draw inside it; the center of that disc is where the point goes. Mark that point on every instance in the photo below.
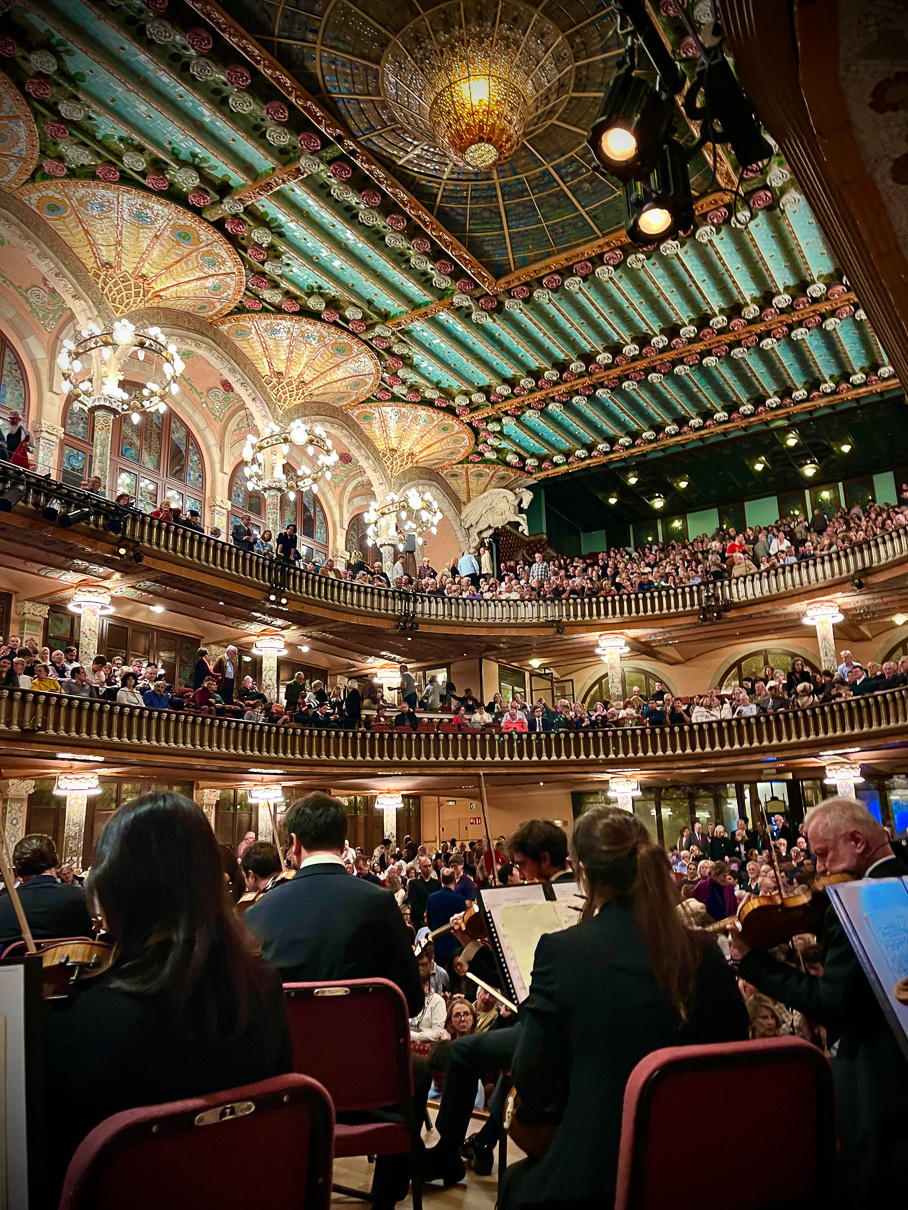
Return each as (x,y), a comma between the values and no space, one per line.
(128,694)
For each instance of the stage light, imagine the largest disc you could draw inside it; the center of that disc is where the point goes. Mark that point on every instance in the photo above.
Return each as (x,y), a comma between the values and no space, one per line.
(613,499)
(792,440)
(683,482)
(66,520)
(661,205)
(12,495)
(122,550)
(726,115)
(761,464)
(657,501)
(631,126)
(846,447)
(633,478)
(50,512)
(138,557)
(810,469)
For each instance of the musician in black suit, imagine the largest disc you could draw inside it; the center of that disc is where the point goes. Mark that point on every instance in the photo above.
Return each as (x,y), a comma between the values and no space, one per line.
(871,1072)
(323,924)
(617,986)
(52,908)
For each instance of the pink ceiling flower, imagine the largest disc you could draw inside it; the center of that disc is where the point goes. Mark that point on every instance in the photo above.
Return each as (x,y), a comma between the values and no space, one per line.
(811,321)
(547,465)
(199,39)
(277,111)
(706,333)
(488,302)
(330,316)
(614,256)
(56,131)
(107,172)
(537,404)
(37,87)
(309,141)
(768,313)
(257,252)
(393,380)
(157,6)
(638,375)
(485,448)
(664,367)
(54,167)
(736,324)
(568,376)
(290,304)
(383,395)
(650,351)
(444,266)
(340,170)
(357,326)
(552,281)
(235,226)
(717,216)
(475,457)
(520,292)
(583,268)
(370,198)
(800,303)
(396,222)
(520,390)
(199,197)
(720,350)
(421,244)
(760,199)
(258,281)
(393,363)
(586,389)
(515,411)
(413,396)
(238,75)
(494,397)
(678,342)
(692,359)
(844,312)
(252,304)
(9,47)
(749,342)
(622,359)
(465,284)
(843,387)
(345,458)
(440,402)
(836,291)
(380,342)
(612,383)
(872,380)
(159,182)
(226,386)
(780,332)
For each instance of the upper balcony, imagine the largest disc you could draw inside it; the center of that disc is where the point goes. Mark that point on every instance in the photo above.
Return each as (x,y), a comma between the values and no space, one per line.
(187,565)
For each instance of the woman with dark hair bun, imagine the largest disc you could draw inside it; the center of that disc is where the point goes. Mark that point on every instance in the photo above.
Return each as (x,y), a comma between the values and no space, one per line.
(627,980)
(187,1006)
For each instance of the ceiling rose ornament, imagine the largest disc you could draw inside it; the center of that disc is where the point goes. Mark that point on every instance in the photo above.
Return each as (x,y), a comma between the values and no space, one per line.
(19,140)
(141,250)
(409,435)
(401,515)
(101,356)
(305,361)
(313,440)
(475,78)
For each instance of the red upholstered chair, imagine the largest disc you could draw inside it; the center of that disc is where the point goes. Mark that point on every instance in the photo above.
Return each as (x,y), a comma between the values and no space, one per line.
(353,1036)
(449,728)
(378,728)
(658,1101)
(403,730)
(191,1155)
(426,727)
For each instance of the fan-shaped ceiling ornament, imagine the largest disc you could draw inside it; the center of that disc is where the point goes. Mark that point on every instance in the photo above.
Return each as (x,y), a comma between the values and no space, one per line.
(470,481)
(19,143)
(141,250)
(304,361)
(408,436)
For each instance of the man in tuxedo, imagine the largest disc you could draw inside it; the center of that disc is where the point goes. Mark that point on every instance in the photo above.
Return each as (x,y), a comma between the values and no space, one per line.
(538,721)
(52,908)
(871,1072)
(781,831)
(325,925)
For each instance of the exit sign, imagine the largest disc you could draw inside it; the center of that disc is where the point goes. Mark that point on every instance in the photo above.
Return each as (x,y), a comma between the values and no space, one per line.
(475,820)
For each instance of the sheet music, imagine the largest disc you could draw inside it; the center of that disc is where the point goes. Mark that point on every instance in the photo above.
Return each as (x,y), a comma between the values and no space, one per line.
(14,1139)
(517,917)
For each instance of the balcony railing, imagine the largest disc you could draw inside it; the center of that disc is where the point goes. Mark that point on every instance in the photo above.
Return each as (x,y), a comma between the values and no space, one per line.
(44,724)
(190,547)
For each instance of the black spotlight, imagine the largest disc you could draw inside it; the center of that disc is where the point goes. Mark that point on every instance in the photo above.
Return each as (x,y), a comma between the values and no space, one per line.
(138,557)
(664,205)
(559,629)
(857,582)
(13,495)
(50,512)
(414,625)
(122,550)
(631,127)
(725,113)
(284,601)
(114,525)
(65,520)
(703,616)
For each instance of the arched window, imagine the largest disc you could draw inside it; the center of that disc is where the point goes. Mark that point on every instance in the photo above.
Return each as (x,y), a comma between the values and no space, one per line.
(304,510)
(754,662)
(356,535)
(895,653)
(13,383)
(630,676)
(244,501)
(156,459)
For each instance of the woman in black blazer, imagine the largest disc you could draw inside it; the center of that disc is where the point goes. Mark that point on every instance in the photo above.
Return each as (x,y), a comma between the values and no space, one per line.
(187,1007)
(626,981)
(202,669)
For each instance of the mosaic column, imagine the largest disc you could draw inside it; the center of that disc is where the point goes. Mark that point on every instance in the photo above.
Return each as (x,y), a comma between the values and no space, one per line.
(32,615)
(822,615)
(269,799)
(14,795)
(77,787)
(269,647)
(844,778)
(91,601)
(207,799)
(611,648)
(625,789)
(219,517)
(47,442)
(102,464)
(273,494)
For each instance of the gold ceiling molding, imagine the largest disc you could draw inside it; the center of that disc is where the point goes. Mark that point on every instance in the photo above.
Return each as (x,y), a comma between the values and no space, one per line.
(727,429)
(304,361)
(19,141)
(141,250)
(408,435)
(470,480)
(282,80)
(421,313)
(723,337)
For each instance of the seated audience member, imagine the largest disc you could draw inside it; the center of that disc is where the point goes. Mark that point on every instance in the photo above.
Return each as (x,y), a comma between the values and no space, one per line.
(97,673)
(8,678)
(248,692)
(539,723)
(43,682)
(261,865)
(716,891)
(52,908)
(78,686)
(406,717)
(765,1019)
(513,720)
(254,713)
(157,697)
(58,665)
(128,694)
(461,1018)
(206,699)
(479,718)
(427,1025)
(186,1007)
(632,971)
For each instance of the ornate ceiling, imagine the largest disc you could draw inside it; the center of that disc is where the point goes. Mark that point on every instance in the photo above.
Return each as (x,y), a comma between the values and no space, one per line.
(284,143)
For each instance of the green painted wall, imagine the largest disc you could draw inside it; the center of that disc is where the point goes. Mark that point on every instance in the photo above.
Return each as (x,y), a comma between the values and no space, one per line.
(884,491)
(762,512)
(592,542)
(536,512)
(704,522)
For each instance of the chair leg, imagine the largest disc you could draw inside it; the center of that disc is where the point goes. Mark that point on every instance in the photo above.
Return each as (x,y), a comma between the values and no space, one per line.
(415,1179)
(359,1194)
(502,1157)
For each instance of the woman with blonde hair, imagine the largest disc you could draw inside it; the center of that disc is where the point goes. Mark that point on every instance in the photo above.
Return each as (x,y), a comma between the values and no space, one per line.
(627,980)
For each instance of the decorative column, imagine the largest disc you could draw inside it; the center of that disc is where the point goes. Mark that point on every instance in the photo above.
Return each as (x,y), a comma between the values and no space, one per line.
(269,647)
(91,601)
(823,614)
(611,648)
(387,805)
(207,800)
(47,442)
(219,517)
(32,615)
(273,492)
(102,464)
(15,807)
(269,799)
(844,777)
(77,787)
(625,789)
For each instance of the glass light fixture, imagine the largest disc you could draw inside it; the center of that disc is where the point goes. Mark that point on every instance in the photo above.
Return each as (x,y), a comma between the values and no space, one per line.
(412,512)
(291,479)
(114,346)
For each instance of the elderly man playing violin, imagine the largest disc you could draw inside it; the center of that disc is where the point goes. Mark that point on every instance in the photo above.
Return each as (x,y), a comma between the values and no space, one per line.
(871,1072)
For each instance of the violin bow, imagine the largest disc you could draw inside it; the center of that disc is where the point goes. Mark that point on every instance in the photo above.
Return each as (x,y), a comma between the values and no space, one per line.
(10,881)
(773,855)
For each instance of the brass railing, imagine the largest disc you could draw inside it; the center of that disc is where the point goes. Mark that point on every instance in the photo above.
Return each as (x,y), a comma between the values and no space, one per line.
(188,546)
(31,722)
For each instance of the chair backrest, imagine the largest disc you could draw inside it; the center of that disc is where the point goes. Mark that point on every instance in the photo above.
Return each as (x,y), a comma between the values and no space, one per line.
(194,1152)
(449,728)
(664,1087)
(353,1036)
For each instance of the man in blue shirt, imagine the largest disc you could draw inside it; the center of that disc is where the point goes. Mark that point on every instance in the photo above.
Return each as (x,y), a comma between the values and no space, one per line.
(440,907)
(467,566)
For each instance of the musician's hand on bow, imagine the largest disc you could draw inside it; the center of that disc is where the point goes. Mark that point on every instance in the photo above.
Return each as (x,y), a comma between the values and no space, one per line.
(457,930)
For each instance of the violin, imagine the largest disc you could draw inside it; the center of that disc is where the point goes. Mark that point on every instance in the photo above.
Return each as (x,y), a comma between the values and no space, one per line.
(765,921)
(470,923)
(248,898)
(64,963)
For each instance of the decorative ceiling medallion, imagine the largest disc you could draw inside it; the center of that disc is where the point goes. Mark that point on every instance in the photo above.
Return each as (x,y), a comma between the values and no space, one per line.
(471,481)
(19,143)
(141,250)
(476,78)
(305,361)
(413,436)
